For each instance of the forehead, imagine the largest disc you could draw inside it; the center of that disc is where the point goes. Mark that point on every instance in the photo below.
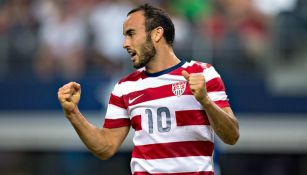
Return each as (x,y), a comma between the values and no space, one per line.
(135,20)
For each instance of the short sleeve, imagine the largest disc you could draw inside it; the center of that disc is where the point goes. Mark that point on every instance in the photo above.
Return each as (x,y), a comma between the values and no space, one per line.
(215,87)
(116,115)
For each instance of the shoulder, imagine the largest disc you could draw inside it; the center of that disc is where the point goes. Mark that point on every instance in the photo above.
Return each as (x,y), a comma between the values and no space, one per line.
(133,76)
(127,82)
(197,66)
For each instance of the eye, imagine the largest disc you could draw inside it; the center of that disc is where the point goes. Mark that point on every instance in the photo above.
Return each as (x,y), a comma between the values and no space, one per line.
(130,33)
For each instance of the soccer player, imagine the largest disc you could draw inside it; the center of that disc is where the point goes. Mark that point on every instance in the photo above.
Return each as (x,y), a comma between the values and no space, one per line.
(174,106)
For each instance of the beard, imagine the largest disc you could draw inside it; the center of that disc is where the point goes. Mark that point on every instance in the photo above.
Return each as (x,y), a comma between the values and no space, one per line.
(148,52)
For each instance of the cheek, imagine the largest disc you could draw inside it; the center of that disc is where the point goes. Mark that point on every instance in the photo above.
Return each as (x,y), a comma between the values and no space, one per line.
(139,48)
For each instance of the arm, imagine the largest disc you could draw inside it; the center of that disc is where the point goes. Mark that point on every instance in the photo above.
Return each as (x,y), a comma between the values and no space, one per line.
(101,141)
(223,121)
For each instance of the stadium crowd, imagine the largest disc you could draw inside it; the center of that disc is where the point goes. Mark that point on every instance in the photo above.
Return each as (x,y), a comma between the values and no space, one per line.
(70,38)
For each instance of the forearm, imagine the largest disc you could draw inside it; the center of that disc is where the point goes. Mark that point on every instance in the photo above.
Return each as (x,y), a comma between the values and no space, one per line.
(95,139)
(222,121)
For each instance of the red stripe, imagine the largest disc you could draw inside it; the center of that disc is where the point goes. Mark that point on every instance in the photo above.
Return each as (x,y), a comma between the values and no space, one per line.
(148,94)
(134,76)
(191,117)
(116,123)
(215,84)
(153,94)
(186,173)
(117,101)
(197,67)
(222,103)
(174,149)
(136,122)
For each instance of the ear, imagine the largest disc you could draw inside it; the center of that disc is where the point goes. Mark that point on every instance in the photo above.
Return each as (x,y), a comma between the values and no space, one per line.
(157,34)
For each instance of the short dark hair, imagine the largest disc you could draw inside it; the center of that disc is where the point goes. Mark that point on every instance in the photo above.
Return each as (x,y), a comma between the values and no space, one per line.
(155,17)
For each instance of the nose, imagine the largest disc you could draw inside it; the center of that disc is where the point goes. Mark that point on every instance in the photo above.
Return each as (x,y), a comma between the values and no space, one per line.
(126,43)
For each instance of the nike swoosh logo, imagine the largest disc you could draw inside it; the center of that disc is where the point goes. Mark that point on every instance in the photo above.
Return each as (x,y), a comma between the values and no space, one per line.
(132,100)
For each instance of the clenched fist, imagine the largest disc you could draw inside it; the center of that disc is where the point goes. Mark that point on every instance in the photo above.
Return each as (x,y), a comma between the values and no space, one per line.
(69,96)
(197,84)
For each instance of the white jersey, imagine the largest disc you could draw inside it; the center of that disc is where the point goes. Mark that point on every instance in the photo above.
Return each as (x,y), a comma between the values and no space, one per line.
(172,132)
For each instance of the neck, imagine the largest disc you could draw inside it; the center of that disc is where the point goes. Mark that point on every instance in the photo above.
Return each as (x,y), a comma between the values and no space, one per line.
(164,59)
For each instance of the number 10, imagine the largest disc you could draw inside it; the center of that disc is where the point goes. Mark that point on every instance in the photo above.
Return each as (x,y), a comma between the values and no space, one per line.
(160,111)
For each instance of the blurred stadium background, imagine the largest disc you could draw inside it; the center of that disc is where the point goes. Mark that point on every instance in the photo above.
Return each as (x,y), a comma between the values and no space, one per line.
(258,46)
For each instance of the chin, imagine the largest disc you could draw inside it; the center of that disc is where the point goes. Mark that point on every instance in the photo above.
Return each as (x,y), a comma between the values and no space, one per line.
(137,66)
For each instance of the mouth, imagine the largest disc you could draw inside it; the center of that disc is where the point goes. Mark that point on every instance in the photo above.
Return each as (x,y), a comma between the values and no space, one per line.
(132,53)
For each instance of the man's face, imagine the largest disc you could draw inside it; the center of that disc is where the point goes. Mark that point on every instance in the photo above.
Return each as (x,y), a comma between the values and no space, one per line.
(137,42)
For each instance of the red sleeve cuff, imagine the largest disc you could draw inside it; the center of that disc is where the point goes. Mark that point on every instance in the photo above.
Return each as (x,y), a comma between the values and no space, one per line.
(116,123)
(222,103)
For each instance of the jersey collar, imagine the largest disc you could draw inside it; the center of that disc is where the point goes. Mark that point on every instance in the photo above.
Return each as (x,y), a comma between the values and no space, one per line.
(166,70)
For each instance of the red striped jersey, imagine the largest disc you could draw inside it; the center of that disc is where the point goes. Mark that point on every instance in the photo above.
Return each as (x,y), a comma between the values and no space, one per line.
(172,131)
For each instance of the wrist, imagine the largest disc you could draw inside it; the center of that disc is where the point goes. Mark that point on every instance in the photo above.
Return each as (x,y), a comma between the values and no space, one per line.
(205,102)
(71,113)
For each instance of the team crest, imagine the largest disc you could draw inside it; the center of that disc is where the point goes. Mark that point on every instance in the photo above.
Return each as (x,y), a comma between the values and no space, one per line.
(179,88)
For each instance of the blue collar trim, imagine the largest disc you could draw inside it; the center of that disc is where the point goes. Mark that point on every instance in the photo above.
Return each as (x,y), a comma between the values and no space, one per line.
(166,70)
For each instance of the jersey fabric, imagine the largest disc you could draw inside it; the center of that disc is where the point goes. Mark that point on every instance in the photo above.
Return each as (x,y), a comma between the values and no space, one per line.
(172,132)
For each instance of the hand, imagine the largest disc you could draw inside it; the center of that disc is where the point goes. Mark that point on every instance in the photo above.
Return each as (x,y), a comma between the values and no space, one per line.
(197,84)
(69,96)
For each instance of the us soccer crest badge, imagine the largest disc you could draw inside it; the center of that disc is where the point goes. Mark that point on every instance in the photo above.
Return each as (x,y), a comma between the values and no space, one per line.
(179,88)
